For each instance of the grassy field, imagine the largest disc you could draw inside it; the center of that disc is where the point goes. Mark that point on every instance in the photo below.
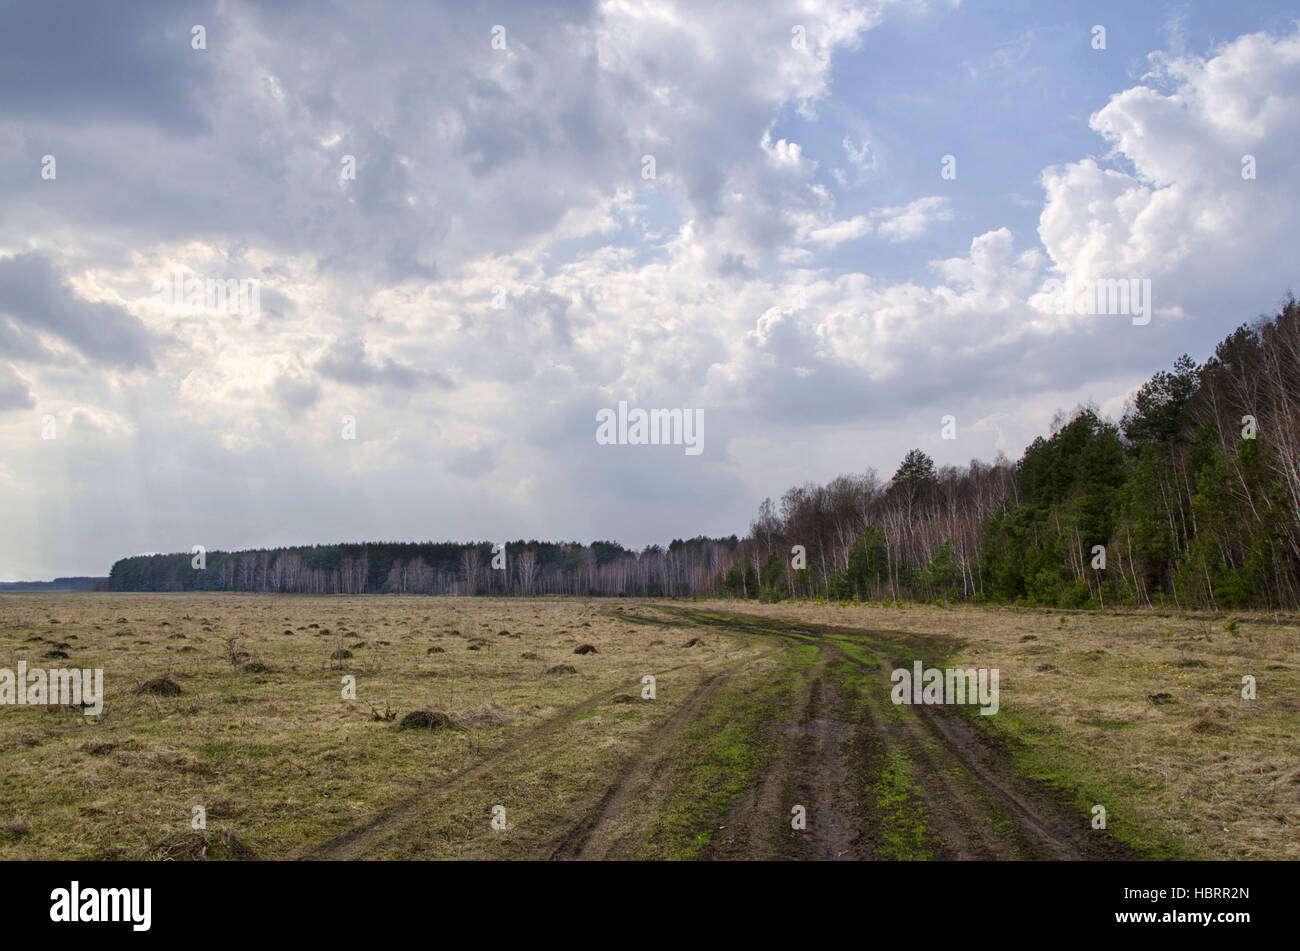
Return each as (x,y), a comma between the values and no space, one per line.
(756,709)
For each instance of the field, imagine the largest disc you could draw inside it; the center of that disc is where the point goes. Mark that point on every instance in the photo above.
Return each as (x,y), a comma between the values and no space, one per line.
(520,748)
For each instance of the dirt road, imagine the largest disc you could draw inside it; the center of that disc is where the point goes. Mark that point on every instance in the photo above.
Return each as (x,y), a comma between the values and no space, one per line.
(834,771)
(874,780)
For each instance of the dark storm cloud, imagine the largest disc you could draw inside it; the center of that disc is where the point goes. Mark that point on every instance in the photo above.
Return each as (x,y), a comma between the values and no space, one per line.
(35,295)
(65,61)
(243,142)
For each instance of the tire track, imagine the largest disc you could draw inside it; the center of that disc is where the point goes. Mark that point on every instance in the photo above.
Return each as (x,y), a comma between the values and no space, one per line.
(596,835)
(812,769)
(750,829)
(361,840)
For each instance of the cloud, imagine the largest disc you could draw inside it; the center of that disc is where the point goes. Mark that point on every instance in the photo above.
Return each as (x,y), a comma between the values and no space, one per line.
(15,392)
(861,157)
(293,384)
(1182,214)
(38,299)
(65,61)
(838,232)
(346,361)
(911,221)
(1005,58)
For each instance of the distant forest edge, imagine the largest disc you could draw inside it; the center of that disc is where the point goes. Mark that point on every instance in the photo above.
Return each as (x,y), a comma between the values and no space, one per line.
(1191,500)
(79,583)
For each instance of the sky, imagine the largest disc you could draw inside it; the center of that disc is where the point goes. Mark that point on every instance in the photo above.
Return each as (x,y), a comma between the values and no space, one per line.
(463,230)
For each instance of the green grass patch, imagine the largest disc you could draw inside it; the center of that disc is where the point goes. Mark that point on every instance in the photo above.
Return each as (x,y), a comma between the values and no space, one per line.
(903,831)
(1044,753)
(720,754)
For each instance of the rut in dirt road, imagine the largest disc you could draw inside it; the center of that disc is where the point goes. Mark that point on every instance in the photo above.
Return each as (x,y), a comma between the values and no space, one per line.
(598,835)
(976,805)
(833,823)
(812,770)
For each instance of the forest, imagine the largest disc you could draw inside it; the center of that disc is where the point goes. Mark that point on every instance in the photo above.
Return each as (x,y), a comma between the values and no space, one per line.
(1190,500)
(527,568)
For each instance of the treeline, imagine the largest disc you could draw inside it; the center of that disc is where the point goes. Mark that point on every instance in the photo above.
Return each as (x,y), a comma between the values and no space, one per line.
(1191,500)
(521,567)
(78,583)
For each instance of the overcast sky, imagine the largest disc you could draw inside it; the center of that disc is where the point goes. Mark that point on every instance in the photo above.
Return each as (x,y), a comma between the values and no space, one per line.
(504,265)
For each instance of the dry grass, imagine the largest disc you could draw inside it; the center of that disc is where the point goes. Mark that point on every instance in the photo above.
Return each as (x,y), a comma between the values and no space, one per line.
(1146,707)
(260,734)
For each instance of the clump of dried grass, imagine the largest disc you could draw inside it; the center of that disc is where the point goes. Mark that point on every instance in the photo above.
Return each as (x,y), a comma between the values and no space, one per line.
(483,715)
